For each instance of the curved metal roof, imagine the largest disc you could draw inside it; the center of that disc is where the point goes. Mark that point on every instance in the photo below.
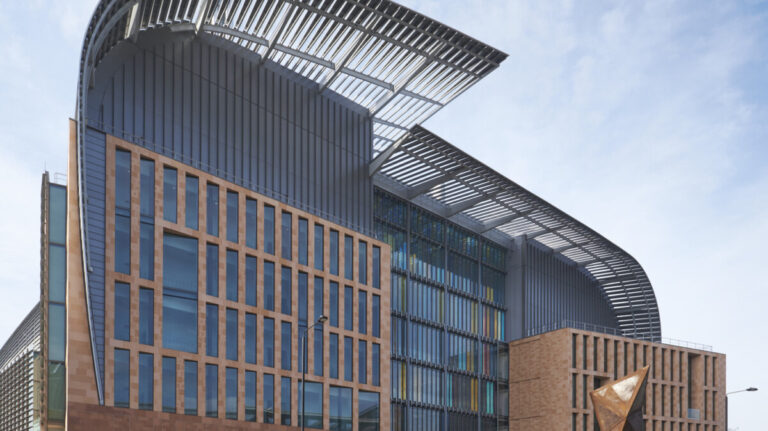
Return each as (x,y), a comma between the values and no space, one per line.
(424,166)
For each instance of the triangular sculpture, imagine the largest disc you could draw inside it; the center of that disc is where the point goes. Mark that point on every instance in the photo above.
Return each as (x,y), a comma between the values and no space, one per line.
(619,404)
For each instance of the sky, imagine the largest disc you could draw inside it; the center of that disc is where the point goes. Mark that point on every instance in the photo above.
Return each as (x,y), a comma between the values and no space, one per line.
(647,121)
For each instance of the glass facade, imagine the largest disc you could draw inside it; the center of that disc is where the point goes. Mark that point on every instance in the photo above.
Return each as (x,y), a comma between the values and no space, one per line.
(312,405)
(192,202)
(232,216)
(122,375)
(212,209)
(169,385)
(146,316)
(232,293)
(251,223)
(147,220)
(340,409)
(122,311)
(285,400)
(211,390)
(190,388)
(123,212)
(179,293)
(146,381)
(170,194)
(212,330)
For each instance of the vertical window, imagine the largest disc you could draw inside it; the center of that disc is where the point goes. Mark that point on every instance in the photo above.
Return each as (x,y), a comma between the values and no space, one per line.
(146,381)
(211,390)
(362,360)
(122,311)
(232,214)
(192,200)
(123,212)
(169,384)
(251,283)
(212,269)
(269,286)
(333,355)
(285,400)
(318,298)
(375,315)
(348,359)
(250,396)
(286,290)
(211,330)
(146,316)
(318,361)
(333,307)
(57,346)
(333,252)
(232,275)
(376,269)
(57,272)
(147,220)
(170,186)
(362,270)
(349,258)
(340,403)
(250,338)
(269,229)
(319,249)
(179,293)
(375,364)
(231,334)
(312,415)
(285,345)
(368,409)
(269,399)
(190,388)
(269,342)
(362,307)
(212,209)
(251,224)
(303,305)
(122,383)
(286,236)
(348,311)
(303,241)
(230,402)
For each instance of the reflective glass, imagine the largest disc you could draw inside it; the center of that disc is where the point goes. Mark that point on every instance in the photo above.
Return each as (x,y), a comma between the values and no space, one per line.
(122,244)
(333,307)
(231,334)
(286,237)
(303,241)
(57,273)
(250,396)
(312,404)
(362,310)
(211,330)
(269,229)
(375,315)
(349,257)
(57,214)
(362,270)
(57,332)
(232,294)
(147,189)
(251,223)
(269,286)
(147,251)
(122,383)
(285,345)
(122,311)
(230,402)
(269,342)
(348,308)
(285,400)
(170,185)
(318,350)
(348,359)
(333,252)
(57,392)
(269,399)
(250,338)
(190,388)
(375,364)
(362,361)
(211,390)
(319,249)
(123,180)
(368,410)
(376,267)
(212,269)
(333,355)
(179,293)
(232,216)
(146,381)
(169,385)
(192,201)
(286,290)
(340,408)
(212,209)
(146,316)
(251,282)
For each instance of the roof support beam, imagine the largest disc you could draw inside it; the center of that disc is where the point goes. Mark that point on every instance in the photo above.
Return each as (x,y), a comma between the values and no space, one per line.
(283,23)
(132,27)
(382,158)
(389,124)
(459,207)
(426,186)
(617,279)
(588,262)
(493,224)
(539,233)
(569,246)
(202,10)
(368,78)
(364,36)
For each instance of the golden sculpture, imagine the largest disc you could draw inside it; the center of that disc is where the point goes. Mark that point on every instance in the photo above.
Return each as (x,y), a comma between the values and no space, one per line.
(619,404)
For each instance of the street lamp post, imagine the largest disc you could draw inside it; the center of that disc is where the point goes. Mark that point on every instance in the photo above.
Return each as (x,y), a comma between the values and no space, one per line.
(319,320)
(749,389)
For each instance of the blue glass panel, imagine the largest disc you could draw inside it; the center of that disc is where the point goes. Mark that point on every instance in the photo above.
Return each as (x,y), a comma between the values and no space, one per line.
(146,316)
(318,298)
(362,361)
(57,273)
(232,291)
(303,241)
(349,257)
(250,396)
(333,252)
(333,307)
(285,345)
(362,270)
(123,179)
(147,189)
(212,209)
(375,315)
(311,405)
(318,350)
(169,385)
(231,334)
(269,399)
(286,236)
(333,347)
(211,330)
(251,282)
(269,342)
(269,286)
(179,293)
(57,214)
(269,229)
(192,200)
(122,383)
(122,244)
(212,269)
(376,267)
(303,300)
(250,338)
(375,364)
(368,410)
(170,193)
(211,390)
(286,290)
(147,251)
(232,216)
(348,359)
(230,402)
(340,408)
(348,308)
(146,381)
(122,311)
(362,310)
(318,248)
(190,388)
(285,400)
(251,224)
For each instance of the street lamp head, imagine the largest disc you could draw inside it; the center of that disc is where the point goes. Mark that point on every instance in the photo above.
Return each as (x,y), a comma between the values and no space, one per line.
(751,389)
(323,318)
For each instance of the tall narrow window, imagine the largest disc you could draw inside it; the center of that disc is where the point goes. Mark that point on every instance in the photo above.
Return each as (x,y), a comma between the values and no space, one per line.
(375,364)
(170,193)
(286,290)
(251,226)
(348,308)
(122,311)
(250,338)
(146,381)
(250,396)
(333,306)
(232,214)
(362,361)
(319,249)
(169,384)
(318,350)
(269,286)
(285,400)
(251,283)
(376,269)
(212,269)
(368,411)
(123,212)
(333,355)
(303,302)
(362,310)
(349,257)
(192,201)
(230,401)
(146,316)
(212,209)
(211,390)
(122,383)
(312,414)
(179,293)
(269,399)
(285,345)
(375,315)
(211,330)
(147,220)
(318,299)
(232,275)
(340,404)
(269,229)
(303,241)
(286,235)
(231,334)
(348,359)
(333,252)
(190,388)
(269,342)
(362,270)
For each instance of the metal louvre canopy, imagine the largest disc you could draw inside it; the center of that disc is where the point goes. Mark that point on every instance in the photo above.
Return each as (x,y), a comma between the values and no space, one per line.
(423,167)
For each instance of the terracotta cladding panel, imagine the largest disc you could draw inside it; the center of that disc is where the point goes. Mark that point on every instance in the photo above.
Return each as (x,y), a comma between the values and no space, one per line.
(135,282)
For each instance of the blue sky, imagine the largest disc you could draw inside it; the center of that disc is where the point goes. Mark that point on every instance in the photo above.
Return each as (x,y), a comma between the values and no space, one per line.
(645,120)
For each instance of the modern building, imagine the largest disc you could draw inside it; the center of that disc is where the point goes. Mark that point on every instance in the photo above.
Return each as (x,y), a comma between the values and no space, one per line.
(242,173)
